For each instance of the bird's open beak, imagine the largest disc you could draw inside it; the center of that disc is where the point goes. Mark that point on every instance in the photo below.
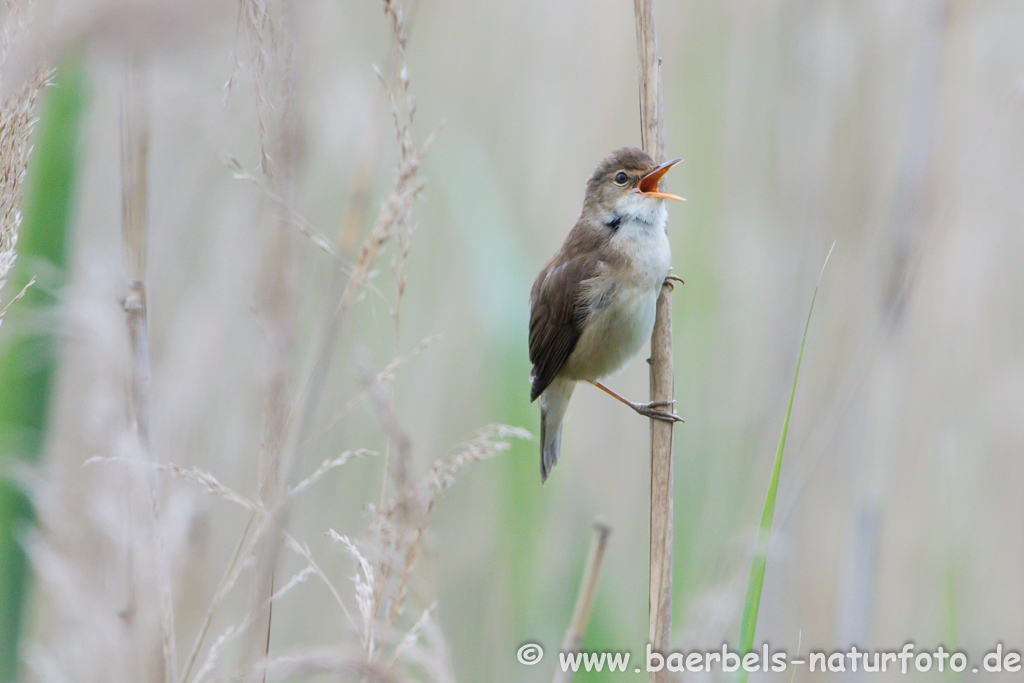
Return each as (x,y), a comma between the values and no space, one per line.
(649,183)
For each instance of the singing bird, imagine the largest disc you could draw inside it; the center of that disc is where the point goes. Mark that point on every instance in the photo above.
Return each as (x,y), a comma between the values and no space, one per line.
(592,306)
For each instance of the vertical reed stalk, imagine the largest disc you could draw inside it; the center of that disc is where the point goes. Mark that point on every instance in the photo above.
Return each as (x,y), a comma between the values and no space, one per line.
(652,135)
(271,31)
(134,239)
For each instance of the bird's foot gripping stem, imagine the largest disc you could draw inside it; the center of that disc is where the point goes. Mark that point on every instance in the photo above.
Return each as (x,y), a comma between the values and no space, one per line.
(669,279)
(650,410)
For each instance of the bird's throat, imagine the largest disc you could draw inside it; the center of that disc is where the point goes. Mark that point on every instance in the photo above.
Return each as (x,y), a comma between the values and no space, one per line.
(637,209)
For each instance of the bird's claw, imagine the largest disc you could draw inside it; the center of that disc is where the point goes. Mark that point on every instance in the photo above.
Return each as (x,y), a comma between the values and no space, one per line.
(669,279)
(651,410)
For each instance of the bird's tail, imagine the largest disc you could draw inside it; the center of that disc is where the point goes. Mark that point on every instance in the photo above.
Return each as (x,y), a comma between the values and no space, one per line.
(553,403)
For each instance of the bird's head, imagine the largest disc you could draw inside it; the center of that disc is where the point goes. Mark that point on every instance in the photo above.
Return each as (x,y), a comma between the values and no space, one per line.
(625,186)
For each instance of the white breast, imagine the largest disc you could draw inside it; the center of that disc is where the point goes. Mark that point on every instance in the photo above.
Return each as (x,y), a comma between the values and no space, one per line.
(619,328)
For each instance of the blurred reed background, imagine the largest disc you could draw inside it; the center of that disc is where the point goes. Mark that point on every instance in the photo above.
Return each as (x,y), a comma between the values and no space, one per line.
(895,129)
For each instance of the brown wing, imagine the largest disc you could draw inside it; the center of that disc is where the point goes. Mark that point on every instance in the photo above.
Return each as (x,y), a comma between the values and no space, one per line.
(557,315)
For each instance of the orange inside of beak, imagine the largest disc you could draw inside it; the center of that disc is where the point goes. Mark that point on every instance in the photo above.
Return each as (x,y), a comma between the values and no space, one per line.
(649,183)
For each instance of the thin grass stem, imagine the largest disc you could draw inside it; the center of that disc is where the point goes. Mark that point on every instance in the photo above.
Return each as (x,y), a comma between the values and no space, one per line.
(755,582)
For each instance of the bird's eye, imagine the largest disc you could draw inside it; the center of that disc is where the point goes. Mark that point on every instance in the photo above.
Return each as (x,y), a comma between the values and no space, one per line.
(621,178)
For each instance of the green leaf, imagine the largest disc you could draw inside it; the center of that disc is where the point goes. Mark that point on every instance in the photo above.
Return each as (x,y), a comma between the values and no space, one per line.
(27,360)
(755,582)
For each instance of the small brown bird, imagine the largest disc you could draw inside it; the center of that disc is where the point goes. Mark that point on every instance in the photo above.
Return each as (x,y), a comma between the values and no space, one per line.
(592,307)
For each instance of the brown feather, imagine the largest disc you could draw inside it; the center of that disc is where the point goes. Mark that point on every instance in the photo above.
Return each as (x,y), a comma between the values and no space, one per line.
(557,315)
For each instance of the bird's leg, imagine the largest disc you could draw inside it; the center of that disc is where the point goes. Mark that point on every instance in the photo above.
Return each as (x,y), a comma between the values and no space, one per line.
(645,409)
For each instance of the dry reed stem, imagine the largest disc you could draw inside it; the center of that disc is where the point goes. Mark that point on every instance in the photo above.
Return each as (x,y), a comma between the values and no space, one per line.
(134,180)
(397,547)
(392,220)
(403,110)
(235,567)
(258,546)
(584,599)
(134,153)
(660,583)
(652,130)
(399,525)
(271,35)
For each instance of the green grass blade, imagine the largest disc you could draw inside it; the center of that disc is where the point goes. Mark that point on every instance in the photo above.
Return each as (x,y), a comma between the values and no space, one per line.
(755,582)
(27,360)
